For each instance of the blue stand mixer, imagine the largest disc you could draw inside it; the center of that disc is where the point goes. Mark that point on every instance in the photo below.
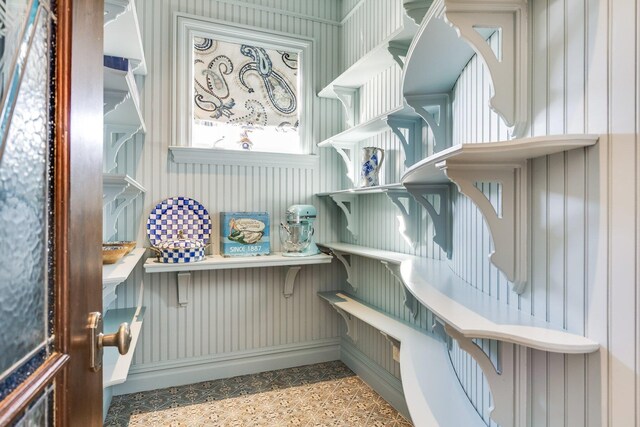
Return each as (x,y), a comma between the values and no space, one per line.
(296,235)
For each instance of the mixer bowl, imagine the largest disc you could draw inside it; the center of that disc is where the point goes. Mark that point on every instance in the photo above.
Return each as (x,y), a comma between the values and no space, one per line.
(295,238)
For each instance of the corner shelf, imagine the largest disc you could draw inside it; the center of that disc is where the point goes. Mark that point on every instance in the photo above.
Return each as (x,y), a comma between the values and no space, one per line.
(392,50)
(122,114)
(346,142)
(504,162)
(391,260)
(347,201)
(458,29)
(118,191)
(218,262)
(467,313)
(440,400)
(114,274)
(115,367)
(122,36)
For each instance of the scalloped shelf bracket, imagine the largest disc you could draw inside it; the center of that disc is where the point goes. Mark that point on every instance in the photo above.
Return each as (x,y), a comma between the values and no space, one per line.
(416,9)
(508,69)
(407,225)
(410,301)
(398,52)
(115,136)
(440,218)
(347,202)
(395,344)
(115,200)
(345,259)
(290,280)
(509,226)
(412,142)
(350,99)
(500,380)
(113,9)
(436,111)
(346,151)
(350,321)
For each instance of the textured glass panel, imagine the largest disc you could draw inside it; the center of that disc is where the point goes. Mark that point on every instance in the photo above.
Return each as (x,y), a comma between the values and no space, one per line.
(39,413)
(23,210)
(13,14)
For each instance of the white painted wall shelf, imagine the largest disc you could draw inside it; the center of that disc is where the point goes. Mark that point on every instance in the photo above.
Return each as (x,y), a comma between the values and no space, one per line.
(122,36)
(122,115)
(391,260)
(218,262)
(404,117)
(118,191)
(431,388)
(114,274)
(115,367)
(451,32)
(504,162)
(347,201)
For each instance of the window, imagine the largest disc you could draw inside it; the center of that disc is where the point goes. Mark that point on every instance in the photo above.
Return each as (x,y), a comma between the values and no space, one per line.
(238,88)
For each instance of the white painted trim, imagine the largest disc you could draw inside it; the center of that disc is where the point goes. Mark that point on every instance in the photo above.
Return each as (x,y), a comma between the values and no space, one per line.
(186,26)
(212,156)
(379,379)
(152,376)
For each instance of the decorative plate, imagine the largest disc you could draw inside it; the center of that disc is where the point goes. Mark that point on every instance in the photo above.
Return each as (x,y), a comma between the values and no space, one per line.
(177,214)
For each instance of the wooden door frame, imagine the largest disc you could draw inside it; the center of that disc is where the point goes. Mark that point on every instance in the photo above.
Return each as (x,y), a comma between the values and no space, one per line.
(77,205)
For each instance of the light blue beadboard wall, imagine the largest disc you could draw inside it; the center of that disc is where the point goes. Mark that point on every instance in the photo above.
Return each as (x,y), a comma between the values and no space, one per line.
(584,206)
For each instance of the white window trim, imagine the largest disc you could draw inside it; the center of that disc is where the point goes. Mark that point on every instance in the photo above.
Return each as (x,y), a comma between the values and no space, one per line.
(185,27)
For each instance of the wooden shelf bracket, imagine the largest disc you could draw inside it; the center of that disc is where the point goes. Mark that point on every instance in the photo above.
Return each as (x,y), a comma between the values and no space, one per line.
(508,227)
(350,321)
(509,66)
(440,218)
(407,223)
(410,301)
(350,99)
(115,136)
(413,141)
(500,379)
(416,9)
(436,111)
(347,203)
(347,152)
(398,52)
(345,259)
(290,279)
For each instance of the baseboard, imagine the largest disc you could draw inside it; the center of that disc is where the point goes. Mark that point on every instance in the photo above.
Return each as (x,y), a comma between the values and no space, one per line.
(379,379)
(195,370)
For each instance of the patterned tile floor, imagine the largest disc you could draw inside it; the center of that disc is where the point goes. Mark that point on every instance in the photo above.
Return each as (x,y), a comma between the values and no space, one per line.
(325,394)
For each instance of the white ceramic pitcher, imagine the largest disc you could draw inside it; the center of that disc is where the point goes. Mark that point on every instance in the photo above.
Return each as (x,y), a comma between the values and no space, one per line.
(372,158)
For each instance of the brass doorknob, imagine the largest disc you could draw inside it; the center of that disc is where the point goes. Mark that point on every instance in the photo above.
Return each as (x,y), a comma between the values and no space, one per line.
(121,339)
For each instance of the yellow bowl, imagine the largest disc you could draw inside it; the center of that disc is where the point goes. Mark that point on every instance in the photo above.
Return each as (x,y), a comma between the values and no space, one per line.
(129,245)
(112,254)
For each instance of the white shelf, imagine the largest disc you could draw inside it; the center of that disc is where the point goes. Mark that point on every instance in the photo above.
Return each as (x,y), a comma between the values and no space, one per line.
(404,117)
(114,274)
(504,162)
(122,36)
(431,388)
(451,33)
(466,314)
(217,262)
(378,59)
(347,201)
(115,367)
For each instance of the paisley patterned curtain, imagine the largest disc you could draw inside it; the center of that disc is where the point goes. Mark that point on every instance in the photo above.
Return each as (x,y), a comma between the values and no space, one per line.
(248,86)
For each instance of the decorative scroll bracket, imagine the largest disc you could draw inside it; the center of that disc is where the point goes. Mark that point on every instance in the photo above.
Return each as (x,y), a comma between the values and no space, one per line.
(441,219)
(508,69)
(350,99)
(407,227)
(346,151)
(115,136)
(500,380)
(184,282)
(413,143)
(509,227)
(396,346)
(347,202)
(345,259)
(416,9)
(409,300)
(398,52)
(350,321)
(436,111)
(289,281)
(115,199)
(113,9)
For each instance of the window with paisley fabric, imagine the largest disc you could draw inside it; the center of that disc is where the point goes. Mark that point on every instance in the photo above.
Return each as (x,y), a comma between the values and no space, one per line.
(245,97)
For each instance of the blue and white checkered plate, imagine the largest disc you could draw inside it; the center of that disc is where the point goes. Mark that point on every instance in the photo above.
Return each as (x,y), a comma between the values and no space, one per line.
(177,214)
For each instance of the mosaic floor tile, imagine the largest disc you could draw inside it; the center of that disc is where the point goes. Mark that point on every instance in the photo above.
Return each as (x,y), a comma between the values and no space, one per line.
(325,394)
